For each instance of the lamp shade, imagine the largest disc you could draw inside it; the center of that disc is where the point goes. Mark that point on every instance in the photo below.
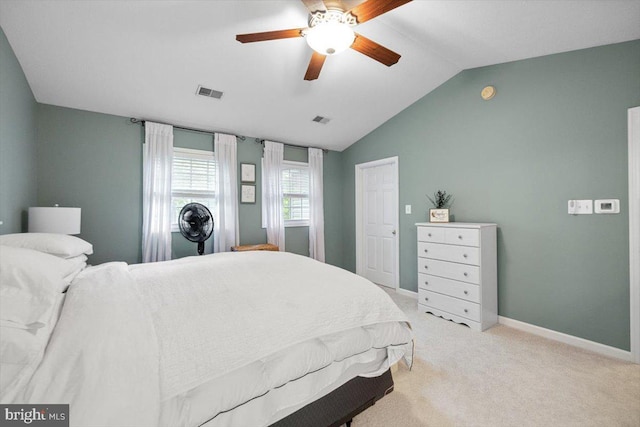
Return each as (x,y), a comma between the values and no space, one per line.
(54,220)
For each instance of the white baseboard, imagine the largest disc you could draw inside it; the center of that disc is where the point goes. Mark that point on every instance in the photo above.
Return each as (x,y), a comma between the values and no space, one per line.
(567,339)
(407,293)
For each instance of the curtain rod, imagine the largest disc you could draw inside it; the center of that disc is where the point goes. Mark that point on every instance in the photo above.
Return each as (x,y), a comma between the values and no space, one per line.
(242,138)
(324,150)
(142,122)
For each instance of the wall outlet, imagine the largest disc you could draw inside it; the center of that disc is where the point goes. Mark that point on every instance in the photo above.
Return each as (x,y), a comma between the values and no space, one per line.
(580,207)
(407,209)
(607,206)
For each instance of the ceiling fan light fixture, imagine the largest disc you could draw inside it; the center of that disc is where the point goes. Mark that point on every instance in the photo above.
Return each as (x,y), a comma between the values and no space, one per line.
(330,38)
(330,32)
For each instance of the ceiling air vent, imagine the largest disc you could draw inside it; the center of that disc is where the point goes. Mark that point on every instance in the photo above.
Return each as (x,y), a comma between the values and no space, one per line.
(205,91)
(320,119)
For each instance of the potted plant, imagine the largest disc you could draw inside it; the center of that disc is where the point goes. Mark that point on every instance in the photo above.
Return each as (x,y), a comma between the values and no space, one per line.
(441,202)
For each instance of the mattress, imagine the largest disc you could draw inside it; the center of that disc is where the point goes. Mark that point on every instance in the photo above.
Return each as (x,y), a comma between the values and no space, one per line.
(273,387)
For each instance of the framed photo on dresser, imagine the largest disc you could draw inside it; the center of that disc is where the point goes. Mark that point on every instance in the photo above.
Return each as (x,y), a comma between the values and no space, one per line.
(438,215)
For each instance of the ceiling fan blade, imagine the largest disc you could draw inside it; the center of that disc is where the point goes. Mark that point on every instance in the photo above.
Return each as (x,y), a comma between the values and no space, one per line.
(374,50)
(315,65)
(270,35)
(314,5)
(372,8)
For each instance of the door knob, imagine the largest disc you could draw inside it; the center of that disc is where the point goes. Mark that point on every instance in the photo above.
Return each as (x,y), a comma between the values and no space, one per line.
(393,232)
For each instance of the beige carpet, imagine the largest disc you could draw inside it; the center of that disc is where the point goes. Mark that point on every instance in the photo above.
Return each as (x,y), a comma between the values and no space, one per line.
(503,377)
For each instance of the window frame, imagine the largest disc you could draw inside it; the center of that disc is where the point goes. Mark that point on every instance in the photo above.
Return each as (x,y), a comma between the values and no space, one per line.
(192,154)
(287,164)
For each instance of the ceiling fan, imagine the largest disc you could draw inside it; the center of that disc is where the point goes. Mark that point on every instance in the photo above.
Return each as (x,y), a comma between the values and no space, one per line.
(330,31)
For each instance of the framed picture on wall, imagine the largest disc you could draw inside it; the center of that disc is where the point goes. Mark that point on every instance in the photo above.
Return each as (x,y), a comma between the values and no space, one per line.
(248,194)
(247,172)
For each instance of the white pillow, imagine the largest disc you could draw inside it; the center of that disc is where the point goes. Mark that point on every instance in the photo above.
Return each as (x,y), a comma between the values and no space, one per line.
(53,266)
(72,275)
(23,308)
(29,284)
(75,265)
(61,245)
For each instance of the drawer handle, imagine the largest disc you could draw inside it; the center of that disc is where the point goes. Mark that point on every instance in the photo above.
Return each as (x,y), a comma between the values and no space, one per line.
(426,268)
(466,311)
(465,274)
(426,299)
(429,234)
(466,292)
(426,283)
(460,236)
(464,255)
(425,251)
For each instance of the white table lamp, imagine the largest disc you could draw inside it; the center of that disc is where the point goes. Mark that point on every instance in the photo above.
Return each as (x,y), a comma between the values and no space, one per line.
(54,220)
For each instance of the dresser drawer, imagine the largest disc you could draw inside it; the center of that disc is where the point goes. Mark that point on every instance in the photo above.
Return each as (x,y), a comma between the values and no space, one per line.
(454,288)
(466,309)
(462,236)
(450,270)
(462,254)
(431,234)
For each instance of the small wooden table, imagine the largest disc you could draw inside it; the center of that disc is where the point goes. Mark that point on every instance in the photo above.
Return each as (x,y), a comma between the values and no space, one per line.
(260,247)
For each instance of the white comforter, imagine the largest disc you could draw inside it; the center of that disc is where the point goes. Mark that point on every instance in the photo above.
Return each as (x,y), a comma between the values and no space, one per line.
(130,337)
(102,356)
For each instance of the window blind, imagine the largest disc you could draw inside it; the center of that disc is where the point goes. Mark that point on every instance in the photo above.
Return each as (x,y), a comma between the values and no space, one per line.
(295,189)
(193,179)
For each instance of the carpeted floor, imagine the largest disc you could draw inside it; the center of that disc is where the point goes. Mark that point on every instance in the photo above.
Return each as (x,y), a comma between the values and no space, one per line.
(503,377)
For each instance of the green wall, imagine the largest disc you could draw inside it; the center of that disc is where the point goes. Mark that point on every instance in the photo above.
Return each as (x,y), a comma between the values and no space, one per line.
(17,143)
(94,161)
(556,130)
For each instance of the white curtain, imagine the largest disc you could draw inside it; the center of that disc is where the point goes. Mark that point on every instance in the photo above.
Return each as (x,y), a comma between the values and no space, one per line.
(272,192)
(226,229)
(316,205)
(157,159)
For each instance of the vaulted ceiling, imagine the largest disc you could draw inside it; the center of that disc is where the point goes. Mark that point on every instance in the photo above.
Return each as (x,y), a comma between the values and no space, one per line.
(145,59)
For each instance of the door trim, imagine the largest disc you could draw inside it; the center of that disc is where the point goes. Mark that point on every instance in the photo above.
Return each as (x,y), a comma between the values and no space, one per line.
(359,209)
(634,232)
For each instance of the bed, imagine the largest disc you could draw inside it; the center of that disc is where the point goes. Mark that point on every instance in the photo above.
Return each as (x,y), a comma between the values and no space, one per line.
(231,339)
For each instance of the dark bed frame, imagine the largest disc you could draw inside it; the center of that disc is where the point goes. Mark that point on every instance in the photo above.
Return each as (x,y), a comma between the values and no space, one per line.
(342,404)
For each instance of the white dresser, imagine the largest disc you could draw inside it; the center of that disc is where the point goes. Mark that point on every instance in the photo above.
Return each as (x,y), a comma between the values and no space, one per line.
(458,272)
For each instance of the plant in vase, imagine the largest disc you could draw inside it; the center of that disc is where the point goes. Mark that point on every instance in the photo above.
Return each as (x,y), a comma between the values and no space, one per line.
(441,202)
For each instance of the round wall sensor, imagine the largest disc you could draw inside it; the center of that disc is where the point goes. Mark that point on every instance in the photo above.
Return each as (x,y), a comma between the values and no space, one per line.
(488,92)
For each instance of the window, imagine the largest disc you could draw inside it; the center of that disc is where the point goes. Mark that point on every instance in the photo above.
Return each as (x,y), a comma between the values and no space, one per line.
(295,194)
(193,179)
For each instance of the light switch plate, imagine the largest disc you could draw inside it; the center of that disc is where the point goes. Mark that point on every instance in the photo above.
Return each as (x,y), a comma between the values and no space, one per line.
(407,209)
(580,207)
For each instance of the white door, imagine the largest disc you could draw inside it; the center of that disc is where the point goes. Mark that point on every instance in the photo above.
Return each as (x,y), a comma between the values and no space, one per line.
(379,224)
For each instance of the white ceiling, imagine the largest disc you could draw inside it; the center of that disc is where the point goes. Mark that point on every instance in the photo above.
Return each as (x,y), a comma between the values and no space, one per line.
(145,59)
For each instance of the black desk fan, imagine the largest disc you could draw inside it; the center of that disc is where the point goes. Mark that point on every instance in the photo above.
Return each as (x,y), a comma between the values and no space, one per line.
(196,224)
